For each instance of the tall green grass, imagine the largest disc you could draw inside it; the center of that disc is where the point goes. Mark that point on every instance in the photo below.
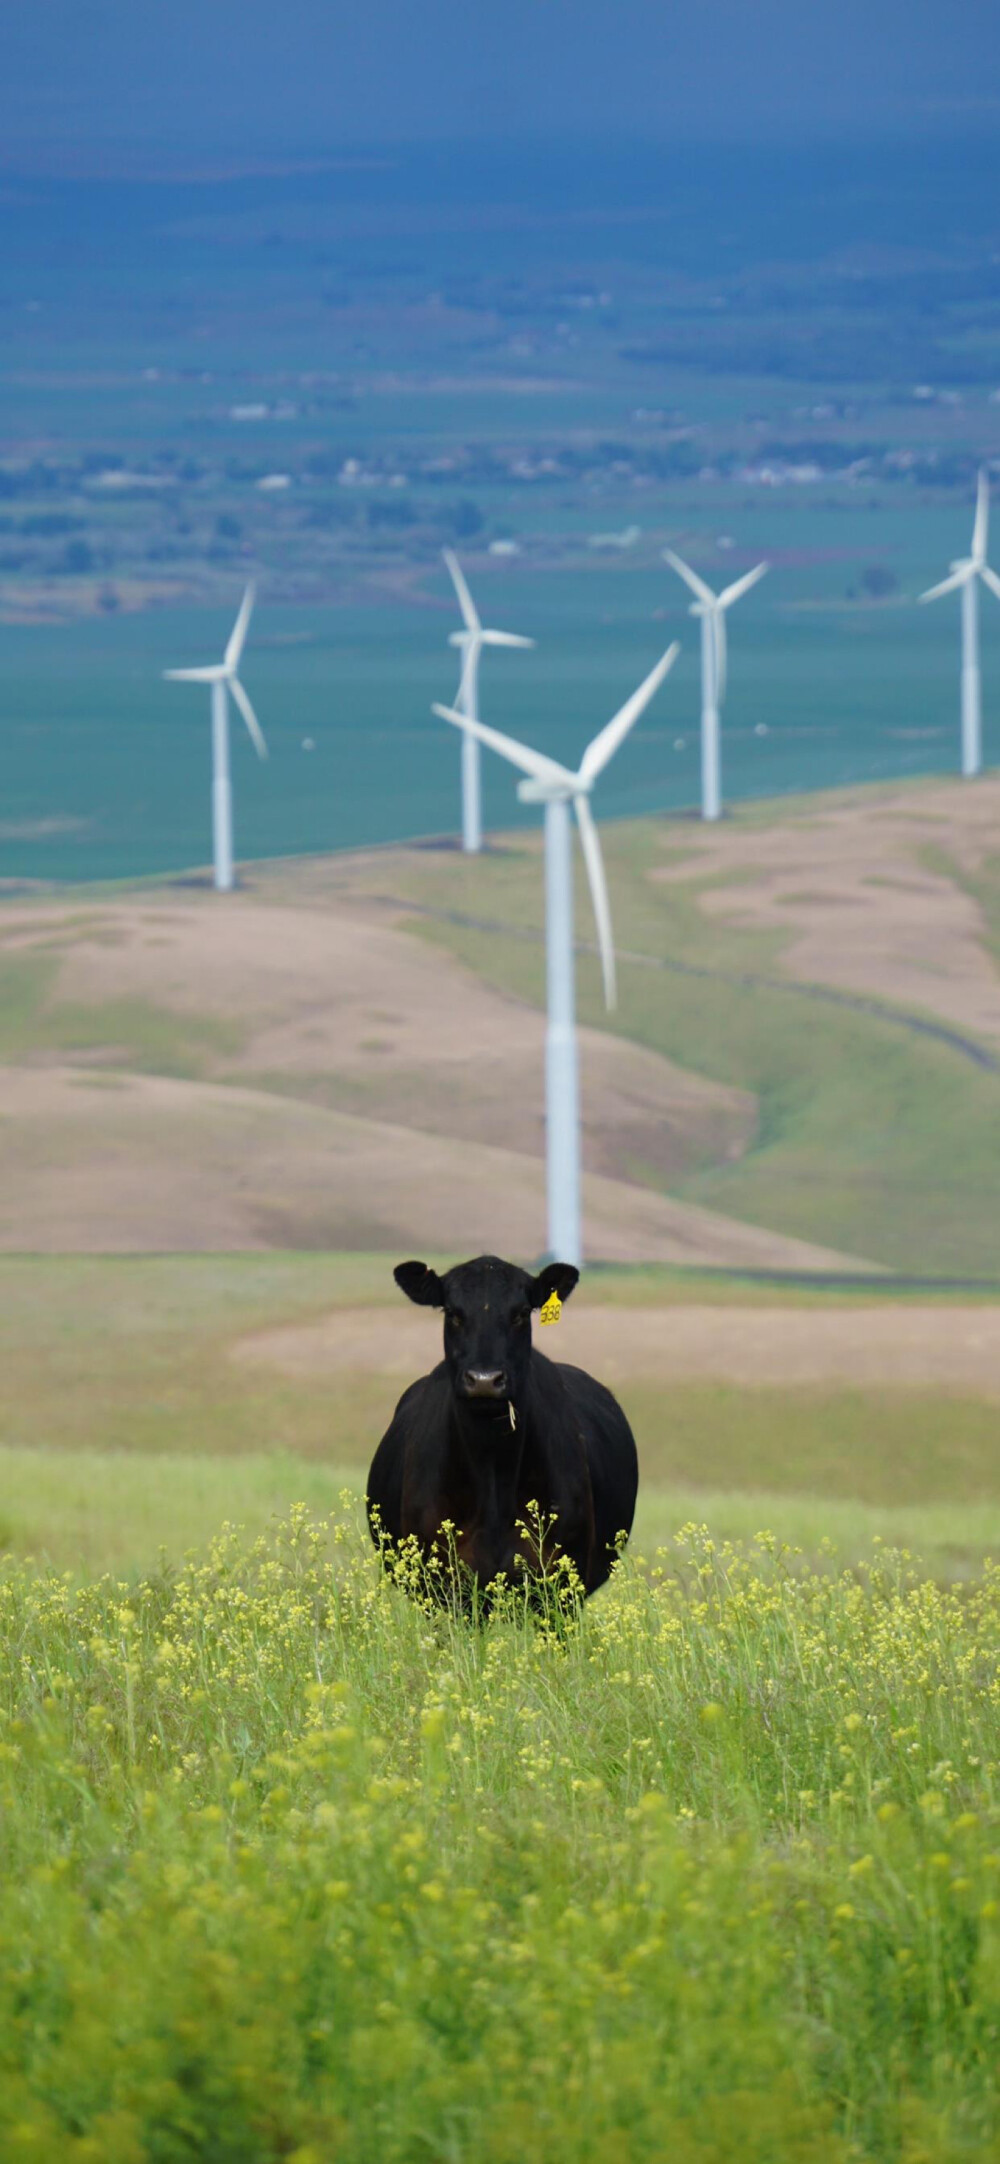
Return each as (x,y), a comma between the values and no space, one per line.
(296,1868)
(86,1510)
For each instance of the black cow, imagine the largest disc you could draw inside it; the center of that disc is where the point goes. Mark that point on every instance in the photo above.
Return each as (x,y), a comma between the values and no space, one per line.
(496,1427)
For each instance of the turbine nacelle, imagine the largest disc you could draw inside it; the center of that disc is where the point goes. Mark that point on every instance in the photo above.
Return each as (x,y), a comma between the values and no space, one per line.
(482,637)
(712,607)
(475,633)
(964,573)
(552,792)
(963,569)
(225,672)
(548,782)
(470,642)
(707,603)
(215,675)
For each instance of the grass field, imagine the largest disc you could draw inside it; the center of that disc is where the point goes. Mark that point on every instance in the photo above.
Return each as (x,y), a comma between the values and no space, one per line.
(295,1869)
(128,1427)
(292,1870)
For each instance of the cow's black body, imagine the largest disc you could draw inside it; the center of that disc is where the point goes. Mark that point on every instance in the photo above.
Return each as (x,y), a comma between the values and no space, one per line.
(495,1428)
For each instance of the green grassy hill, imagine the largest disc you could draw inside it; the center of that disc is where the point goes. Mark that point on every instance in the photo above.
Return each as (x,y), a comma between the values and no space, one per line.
(872,1137)
(127,1428)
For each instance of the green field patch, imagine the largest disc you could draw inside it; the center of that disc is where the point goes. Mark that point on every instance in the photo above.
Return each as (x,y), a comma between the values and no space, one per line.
(84,1509)
(880,1447)
(87,1510)
(129,1032)
(141,1355)
(25,983)
(295,1867)
(134,1354)
(127,1424)
(983,885)
(136,1034)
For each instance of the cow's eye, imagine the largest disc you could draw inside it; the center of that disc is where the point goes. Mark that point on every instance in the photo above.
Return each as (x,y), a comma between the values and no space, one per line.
(523,1317)
(452,1316)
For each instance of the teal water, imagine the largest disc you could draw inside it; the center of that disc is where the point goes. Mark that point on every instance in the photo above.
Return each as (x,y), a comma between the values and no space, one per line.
(106,767)
(137,313)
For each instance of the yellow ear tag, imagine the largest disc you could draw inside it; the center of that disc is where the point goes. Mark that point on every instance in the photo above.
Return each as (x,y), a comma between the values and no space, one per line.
(552,1309)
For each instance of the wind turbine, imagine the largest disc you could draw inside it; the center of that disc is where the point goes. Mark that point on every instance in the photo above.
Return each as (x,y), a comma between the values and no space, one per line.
(712,610)
(471,642)
(964,573)
(557,788)
(223,679)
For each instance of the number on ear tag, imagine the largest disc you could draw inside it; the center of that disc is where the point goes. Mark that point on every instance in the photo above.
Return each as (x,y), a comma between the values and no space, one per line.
(552,1309)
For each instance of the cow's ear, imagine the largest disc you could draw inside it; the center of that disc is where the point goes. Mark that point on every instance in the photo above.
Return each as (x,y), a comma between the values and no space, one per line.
(558,1278)
(420,1283)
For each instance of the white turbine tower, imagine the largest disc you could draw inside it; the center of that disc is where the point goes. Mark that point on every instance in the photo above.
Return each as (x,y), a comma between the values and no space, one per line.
(223,679)
(964,573)
(557,788)
(712,610)
(471,642)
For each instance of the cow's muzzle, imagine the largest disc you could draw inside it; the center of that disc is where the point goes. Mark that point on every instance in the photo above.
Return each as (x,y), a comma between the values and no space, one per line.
(484,1383)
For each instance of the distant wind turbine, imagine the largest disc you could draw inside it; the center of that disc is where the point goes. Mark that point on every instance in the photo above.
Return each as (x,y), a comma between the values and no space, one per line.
(964,573)
(557,788)
(471,642)
(712,610)
(223,679)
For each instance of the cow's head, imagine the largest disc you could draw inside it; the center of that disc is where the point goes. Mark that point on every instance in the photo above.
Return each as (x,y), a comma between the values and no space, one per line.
(487,1320)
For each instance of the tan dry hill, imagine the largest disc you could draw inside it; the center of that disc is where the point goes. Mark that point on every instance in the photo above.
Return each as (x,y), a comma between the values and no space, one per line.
(356,1015)
(95,1162)
(846,882)
(350,1084)
(366,1091)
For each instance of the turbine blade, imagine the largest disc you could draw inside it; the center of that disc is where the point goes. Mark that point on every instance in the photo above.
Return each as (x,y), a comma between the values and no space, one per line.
(256,732)
(606,743)
(463,697)
(465,600)
(950,585)
(599,895)
(742,586)
(720,643)
(505,638)
(981,526)
(696,584)
(237,636)
(988,575)
(530,762)
(195,676)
